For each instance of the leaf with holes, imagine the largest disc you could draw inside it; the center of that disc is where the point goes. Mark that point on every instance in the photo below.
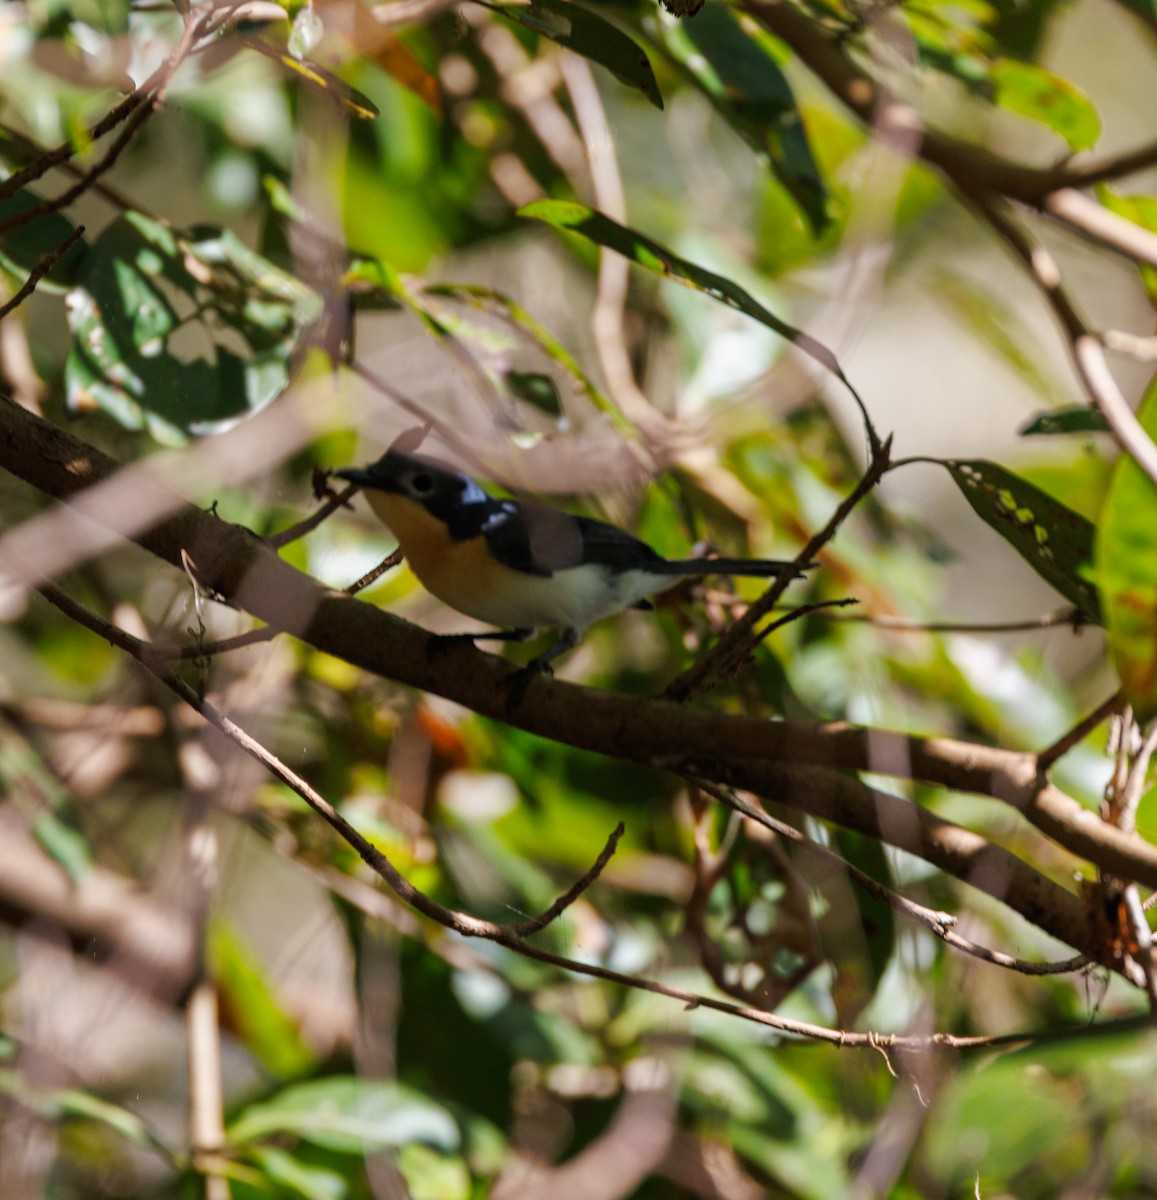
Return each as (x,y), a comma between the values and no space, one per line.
(1053,539)
(1126,572)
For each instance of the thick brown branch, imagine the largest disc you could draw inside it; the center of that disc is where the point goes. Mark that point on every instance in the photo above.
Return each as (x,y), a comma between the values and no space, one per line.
(795,763)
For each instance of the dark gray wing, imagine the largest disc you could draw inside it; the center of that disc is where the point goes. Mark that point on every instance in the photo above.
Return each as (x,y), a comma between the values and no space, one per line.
(540,540)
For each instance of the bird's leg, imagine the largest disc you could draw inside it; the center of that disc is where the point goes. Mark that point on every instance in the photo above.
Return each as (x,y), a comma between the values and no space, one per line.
(446,641)
(539,665)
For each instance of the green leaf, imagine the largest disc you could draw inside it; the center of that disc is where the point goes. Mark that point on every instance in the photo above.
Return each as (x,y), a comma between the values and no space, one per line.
(753,95)
(27,781)
(355,103)
(597,228)
(259,1019)
(74,1103)
(1126,572)
(1053,539)
(536,389)
(291,1177)
(500,305)
(180,333)
(1079,419)
(351,1116)
(1033,92)
(590,35)
(23,248)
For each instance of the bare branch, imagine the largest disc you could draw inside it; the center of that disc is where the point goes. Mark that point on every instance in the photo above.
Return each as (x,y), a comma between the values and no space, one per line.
(1081,730)
(741,638)
(939,923)
(40,270)
(799,763)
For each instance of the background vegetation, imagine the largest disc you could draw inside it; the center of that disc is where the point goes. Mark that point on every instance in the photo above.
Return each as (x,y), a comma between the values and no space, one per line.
(292,908)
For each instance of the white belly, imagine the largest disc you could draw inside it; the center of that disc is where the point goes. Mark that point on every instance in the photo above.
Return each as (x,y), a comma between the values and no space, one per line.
(571,599)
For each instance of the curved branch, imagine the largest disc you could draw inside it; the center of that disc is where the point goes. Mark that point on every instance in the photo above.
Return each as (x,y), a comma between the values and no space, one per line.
(968,166)
(793,763)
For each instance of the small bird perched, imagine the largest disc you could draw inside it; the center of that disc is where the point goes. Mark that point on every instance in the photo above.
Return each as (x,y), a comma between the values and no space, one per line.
(516,564)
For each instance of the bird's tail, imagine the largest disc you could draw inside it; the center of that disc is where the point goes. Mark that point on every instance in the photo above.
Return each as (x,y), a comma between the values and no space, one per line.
(755,568)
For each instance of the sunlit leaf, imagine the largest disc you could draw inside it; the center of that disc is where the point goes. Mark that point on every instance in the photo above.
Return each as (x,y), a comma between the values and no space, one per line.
(1053,539)
(590,35)
(356,103)
(1036,93)
(306,32)
(1127,573)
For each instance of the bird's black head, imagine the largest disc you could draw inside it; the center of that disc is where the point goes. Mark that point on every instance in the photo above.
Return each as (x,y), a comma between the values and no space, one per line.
(440,488)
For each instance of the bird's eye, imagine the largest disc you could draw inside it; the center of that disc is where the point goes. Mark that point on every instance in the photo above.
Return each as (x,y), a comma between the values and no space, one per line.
(422,484)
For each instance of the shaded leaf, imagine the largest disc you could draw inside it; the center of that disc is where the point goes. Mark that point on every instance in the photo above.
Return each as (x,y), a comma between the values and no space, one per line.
(23,248)
(753,95)
(1126,571)
(72,1102)
(1053,539)
(29,784)
(590,35)
(292,1177)
(1033,92)
(1080,419)
(181,333)
(595,227)
(537,389)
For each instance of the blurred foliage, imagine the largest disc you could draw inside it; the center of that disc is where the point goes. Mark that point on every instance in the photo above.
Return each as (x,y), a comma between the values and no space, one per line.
(329,191)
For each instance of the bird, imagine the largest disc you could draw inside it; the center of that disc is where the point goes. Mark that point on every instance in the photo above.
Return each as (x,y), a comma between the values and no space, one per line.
(521,565)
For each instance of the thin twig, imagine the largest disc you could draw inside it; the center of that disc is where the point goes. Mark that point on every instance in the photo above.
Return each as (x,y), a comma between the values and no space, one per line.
(254,637)
(741,638)
(149,100)
(607,317)
(1087,351)
(40,270)
(465,924)
(1073,737)
(575,891)
(332,504)
(1086,217)
(55,158)
(940,923)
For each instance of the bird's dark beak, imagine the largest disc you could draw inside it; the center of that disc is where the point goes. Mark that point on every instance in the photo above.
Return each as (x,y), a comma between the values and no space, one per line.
(376,475)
